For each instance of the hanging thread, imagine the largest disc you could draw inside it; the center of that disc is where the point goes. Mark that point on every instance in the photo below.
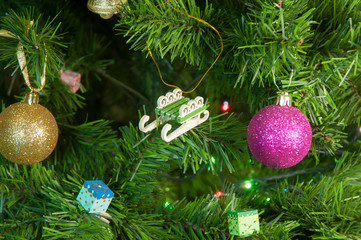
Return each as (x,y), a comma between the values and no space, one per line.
(289,82)
(207,24)
(274,80)
(291,76)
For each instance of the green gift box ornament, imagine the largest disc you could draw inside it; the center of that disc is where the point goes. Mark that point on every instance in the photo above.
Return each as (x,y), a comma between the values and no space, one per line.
(243,222)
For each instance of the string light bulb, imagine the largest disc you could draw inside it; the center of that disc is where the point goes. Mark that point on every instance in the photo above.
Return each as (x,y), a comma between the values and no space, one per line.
(218,193)
(248,185)
(213,160)
(225,106)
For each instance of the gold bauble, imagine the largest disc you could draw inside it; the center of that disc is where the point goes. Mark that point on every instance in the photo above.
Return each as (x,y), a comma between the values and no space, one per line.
(106,8)
(28,131)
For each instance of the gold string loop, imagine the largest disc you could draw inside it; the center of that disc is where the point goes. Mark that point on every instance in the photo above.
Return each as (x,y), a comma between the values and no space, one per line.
(24,69)
(22,59)
(205,23)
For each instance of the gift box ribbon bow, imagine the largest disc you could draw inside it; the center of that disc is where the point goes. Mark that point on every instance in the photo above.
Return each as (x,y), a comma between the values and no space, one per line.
(96,185)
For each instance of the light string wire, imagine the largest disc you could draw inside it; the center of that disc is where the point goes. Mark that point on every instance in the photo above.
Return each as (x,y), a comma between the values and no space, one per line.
(22,60)
(207,24)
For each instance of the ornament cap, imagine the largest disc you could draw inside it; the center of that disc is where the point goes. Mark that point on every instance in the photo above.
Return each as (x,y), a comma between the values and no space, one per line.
(106,16)
(31,98)
(106,8)
(284,99)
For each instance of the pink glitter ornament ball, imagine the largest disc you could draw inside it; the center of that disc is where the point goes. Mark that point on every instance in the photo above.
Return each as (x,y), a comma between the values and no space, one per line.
(279,136)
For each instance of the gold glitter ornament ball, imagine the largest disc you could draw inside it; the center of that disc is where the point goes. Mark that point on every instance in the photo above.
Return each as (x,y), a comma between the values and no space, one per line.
(28,133)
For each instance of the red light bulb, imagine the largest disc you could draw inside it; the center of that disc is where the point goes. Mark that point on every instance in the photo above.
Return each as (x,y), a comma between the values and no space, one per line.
(218,194)
(225,106)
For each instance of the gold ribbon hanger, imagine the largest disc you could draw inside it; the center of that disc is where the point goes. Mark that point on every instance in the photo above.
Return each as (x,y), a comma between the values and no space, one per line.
(24,69)
(22,59)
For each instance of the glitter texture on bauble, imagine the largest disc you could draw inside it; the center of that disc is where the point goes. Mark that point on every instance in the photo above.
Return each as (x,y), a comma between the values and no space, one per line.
(279,136)
(28,133)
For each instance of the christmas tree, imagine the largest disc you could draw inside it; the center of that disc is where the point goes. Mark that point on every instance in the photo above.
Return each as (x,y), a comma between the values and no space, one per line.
(239,54)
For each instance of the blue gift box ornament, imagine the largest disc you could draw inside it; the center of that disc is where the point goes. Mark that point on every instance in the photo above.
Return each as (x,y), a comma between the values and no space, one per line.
(95,196)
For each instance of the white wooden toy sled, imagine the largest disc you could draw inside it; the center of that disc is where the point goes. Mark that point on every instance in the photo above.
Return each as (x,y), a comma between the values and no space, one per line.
(173,106)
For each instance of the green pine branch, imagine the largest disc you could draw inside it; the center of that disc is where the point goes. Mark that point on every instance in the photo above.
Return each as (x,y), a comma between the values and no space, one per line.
(38,38)
(165,28)
(328,208)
